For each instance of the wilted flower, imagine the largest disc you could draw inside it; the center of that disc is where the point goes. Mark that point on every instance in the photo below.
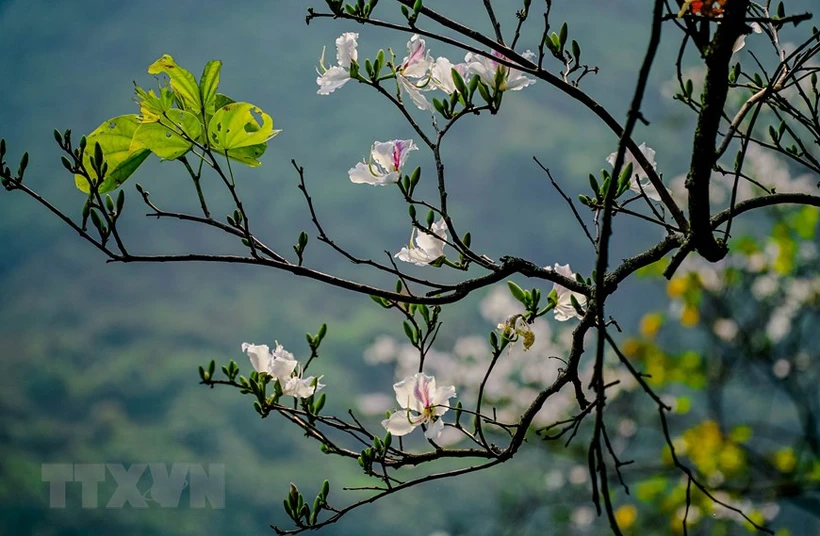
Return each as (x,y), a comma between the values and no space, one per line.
(280,365)
(385,163)
(427,248)
(707,8)
(331,79)
(638,173)
(516,327)
(414,72)
(489,71)
(422,403)
(564,310)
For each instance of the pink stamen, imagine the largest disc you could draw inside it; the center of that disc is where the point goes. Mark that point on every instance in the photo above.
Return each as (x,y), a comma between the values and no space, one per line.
(397,149)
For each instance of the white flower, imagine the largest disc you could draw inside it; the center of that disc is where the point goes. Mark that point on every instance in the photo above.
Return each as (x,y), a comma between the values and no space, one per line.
(278,364)
(564,310)
(639,175)
(385,163)
(726,329)
(300,387)
(487,70)
(427,247)
(442,74)
(281,366)
(414,72)
(422,403)
(331,79)
(741,41)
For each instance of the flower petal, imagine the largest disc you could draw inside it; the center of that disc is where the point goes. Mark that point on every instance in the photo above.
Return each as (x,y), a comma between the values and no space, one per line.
(259,356)
(402,151)
(346,48)
(281,353)
(415,255)
(441,398)
(282,368)
(517,81)
(434,429)
(414,93)
(647,187)
(418,61)
(404,394)
(648,152)
(433,244)
(442,73)
(332,79)
(299,387)
(564,309)
(382,154)
(361,175)
(399,424)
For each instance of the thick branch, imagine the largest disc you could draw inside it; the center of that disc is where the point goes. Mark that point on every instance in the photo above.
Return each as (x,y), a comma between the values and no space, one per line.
(704,153)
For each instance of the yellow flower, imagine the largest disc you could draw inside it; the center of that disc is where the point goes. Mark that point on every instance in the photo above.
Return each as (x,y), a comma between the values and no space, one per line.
(731,458)
(690,316)
(626,516)
(676,287)
(631,347)
(785,460)
(650,324)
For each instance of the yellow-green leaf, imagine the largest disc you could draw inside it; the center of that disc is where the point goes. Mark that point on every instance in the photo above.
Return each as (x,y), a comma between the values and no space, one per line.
(239,124)
(114,137)
(246,155)
(152,107)
(804,222)
(208,84)
(169,138)
(182,82)
(741,434)
(650,488)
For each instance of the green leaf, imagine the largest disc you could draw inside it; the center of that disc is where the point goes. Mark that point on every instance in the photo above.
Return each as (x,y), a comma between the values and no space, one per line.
(208,84)
(114,137)
(221,100)
(182,82)
(655,269)
(171,137)
(239,124)
(517,292)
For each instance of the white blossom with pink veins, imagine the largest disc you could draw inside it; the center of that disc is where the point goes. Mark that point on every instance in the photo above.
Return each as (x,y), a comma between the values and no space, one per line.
(331,79)
(413,75)
(427,247)
(638,173)
(422,403)
(564,310)
(487,68)
(385,163)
